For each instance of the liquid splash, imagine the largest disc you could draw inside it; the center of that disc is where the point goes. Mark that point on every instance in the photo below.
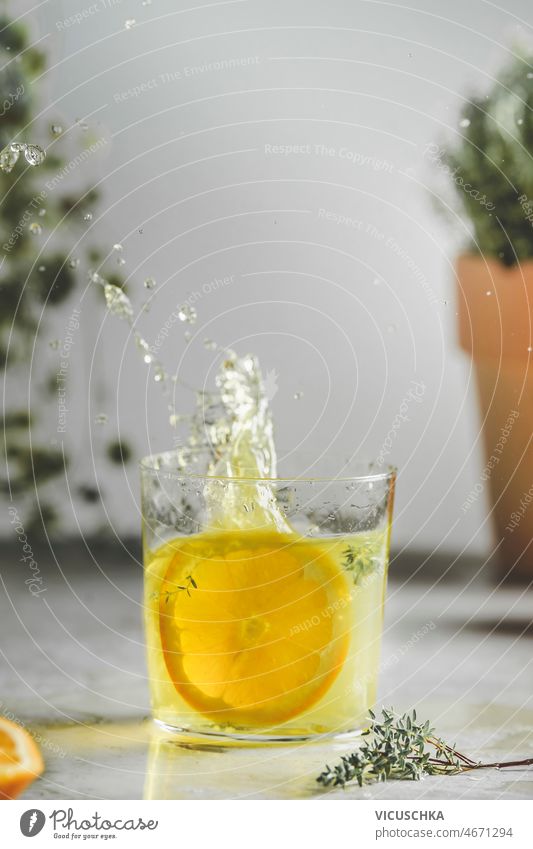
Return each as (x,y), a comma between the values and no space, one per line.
(228,439)
(33,154)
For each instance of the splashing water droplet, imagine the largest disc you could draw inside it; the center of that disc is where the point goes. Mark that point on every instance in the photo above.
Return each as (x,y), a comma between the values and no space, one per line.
(8,159)
(56,129)
(298,395)
(54,344)
(34,155)
(35,228)
(175,419)
(149,283)
(100,419)
(144,347)
(88,216)
(18,147)
(210,345)
(117,301)
(118,247)
(130,23)
(464,123)
(187,313)
(95,277)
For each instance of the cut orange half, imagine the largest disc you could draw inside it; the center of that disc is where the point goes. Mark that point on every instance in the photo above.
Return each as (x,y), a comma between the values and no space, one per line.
(20,760)
(252,625)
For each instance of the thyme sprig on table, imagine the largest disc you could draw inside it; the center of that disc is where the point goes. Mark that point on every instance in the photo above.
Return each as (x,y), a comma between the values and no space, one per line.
(401,748)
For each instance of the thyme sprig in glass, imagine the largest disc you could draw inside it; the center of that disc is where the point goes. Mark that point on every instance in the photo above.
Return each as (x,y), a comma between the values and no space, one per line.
(404,749)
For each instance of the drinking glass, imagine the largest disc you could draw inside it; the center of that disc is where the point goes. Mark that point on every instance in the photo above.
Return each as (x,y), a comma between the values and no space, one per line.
(263,600)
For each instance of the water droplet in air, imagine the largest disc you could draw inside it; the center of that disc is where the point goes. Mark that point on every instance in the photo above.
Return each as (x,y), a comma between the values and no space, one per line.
(520,121)
(42,212)
(88,216)
(8,159)
(530,349)
(146,3)
(187,313)
(94,277)
(83,125)
(130,23)
(187,335)
(488,292)
(530,76)
(54,344)
(56,129)
(159,374)
(34,154)
(298,395)
(210,345)
(18,147)
(121,261)
(100,419)
(149,283)
(118,247)
(73,263)
(143,346)
(117,301)
(392,328)
(464,123)
(35,228)
(42,268)
(376,281)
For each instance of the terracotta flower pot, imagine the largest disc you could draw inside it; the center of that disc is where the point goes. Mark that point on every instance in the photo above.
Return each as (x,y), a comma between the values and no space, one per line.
(496,329)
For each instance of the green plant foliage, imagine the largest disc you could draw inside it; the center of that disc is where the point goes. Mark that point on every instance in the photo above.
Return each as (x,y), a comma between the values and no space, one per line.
(494,159)
(119,452)
(33,281)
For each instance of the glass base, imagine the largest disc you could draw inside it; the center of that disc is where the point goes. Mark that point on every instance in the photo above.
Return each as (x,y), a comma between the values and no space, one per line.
(237,738)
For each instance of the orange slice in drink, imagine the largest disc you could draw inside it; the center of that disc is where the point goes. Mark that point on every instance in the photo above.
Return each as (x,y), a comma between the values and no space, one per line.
(253,625)
(20,759)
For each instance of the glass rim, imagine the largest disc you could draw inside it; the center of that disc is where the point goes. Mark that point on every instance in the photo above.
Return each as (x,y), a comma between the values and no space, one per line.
(148,464)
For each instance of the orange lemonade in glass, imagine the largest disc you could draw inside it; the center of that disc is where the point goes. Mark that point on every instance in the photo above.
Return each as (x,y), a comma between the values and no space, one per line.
(263,595)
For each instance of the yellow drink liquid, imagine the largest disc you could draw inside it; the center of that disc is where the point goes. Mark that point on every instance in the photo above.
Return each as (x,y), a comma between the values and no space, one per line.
(259,632)
(253,629)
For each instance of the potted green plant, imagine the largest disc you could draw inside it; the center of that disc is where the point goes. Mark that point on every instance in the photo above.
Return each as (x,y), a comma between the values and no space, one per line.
(492,172)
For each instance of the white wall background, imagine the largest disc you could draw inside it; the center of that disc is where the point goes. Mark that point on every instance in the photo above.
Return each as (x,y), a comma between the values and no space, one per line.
(195,191)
